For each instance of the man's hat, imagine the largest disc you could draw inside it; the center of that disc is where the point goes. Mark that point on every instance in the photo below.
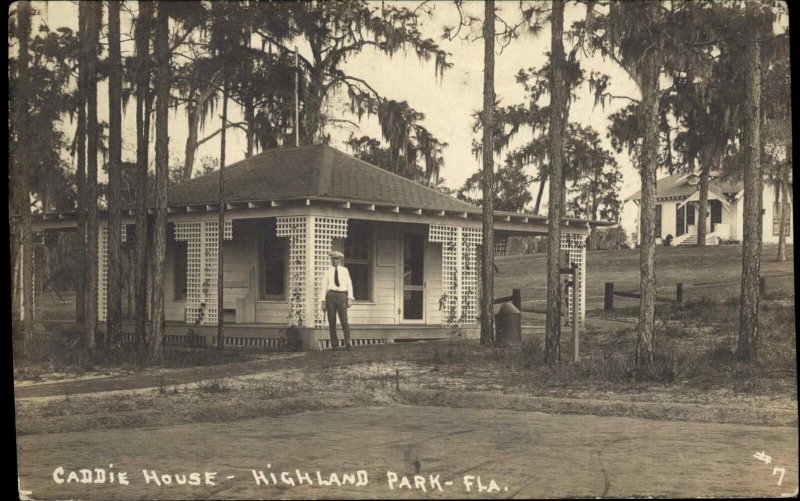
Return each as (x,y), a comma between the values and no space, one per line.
(336,254)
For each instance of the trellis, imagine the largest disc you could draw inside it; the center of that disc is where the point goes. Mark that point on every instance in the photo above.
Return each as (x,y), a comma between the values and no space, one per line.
(296,229)
(459,301)
(102,268)
(202,251)
(575,247)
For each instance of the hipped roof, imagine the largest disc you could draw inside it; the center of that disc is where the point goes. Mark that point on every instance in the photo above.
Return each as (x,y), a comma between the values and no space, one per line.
(314,172)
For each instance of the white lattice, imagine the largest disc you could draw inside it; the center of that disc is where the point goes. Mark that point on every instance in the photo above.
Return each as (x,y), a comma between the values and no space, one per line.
(459,301)
(202,247)
(102,272)
(102,269)
(324,230)
(575,246)
(470,240)
(295,229)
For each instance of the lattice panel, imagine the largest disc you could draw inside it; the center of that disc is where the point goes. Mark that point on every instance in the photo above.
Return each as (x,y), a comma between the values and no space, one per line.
(202,251)
(324,230)
(460,287)
(575,246)
(295,228)
(448,303)
(470,240)
(102,269)
(102,272)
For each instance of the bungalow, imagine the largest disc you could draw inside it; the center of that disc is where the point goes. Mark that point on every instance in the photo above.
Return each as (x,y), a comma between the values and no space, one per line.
(677,212)
(412,251)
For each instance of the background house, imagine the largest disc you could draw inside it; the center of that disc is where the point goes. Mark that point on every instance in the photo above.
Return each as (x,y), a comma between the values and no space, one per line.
(677,214)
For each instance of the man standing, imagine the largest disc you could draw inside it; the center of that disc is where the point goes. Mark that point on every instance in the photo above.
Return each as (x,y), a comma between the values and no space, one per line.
(338,297)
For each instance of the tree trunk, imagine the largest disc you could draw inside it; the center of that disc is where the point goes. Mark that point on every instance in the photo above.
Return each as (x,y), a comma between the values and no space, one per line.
(80,282)
(94,20)
(194,114)
(249,118)
(221,226)
(142,145)
(21,223)
(114,197)
(487,254)
(542,182)
(702,206)
(193,121)
(162,175)
(552,348)
(746,349)
(645,339)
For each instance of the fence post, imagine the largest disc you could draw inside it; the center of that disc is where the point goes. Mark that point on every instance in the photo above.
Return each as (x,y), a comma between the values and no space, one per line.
(679,293)
(762,286)
(516,298)
(608,299)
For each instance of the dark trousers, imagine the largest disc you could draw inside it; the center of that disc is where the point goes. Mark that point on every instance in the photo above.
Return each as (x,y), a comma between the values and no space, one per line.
(336,302)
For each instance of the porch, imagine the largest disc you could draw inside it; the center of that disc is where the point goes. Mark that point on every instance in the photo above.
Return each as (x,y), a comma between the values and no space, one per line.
(279,337)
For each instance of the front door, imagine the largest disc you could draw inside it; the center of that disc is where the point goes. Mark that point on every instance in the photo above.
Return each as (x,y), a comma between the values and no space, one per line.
(413,277)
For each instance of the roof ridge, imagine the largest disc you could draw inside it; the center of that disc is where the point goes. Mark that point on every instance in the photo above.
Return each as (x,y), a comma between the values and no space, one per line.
(384,171)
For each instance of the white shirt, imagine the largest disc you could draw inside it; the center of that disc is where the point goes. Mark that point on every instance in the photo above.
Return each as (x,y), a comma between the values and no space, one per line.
(329,284)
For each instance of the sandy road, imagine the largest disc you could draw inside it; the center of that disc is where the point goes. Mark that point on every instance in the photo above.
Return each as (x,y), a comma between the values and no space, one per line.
(527,454)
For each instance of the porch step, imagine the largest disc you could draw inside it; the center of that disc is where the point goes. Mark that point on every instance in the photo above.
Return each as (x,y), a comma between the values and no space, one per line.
(690,241)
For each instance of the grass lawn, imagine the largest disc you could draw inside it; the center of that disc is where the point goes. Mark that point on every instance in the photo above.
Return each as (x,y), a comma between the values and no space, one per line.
(712,272)
(695,376)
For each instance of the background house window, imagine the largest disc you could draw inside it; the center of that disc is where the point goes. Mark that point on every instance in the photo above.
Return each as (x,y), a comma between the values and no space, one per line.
(680,223)
(716,213)
(358,258)
(179,265)
(272,252)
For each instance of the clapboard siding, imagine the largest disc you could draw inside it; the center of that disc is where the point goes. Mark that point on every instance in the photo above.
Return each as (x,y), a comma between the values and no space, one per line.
(381,310)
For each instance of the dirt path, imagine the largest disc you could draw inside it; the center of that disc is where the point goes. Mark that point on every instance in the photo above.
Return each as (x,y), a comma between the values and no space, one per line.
(153,378)
(527,454)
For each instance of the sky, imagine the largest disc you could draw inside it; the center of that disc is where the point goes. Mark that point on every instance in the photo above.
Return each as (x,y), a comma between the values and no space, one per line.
(447,103)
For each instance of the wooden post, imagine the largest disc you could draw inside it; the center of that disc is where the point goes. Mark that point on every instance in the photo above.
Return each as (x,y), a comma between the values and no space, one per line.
(608,299)
(679,293)
(516,298)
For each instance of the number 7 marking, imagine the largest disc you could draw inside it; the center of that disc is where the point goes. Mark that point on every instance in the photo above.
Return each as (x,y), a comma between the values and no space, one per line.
(783,472)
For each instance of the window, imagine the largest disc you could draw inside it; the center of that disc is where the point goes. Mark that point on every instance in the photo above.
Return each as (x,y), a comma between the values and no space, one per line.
(358,258)
(690,210)
(272,252)
(716,213)
(179,265)
(658,221)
